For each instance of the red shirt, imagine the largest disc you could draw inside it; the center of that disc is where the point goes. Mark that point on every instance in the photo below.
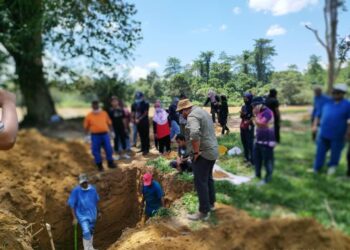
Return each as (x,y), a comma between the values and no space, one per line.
(163,130)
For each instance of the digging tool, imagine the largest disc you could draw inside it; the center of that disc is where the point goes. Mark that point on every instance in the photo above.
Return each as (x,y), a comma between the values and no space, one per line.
(48,228)
(76,237)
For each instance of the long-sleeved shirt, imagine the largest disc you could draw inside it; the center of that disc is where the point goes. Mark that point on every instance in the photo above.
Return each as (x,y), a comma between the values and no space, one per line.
(319,102)
(200,128)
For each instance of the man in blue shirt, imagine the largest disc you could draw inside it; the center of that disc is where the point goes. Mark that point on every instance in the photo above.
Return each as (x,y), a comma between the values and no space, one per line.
(319,101)
(334,129)
(152,194)
(83,201)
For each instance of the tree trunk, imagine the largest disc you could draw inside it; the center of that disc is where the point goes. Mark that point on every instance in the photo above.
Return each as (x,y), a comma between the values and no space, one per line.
(331,73)
(37,99)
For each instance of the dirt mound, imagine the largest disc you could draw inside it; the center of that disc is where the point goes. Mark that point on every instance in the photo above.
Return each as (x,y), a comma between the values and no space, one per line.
(234,230)
(38,175)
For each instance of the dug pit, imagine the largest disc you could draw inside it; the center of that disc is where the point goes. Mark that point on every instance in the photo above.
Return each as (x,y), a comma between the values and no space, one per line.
(37,177)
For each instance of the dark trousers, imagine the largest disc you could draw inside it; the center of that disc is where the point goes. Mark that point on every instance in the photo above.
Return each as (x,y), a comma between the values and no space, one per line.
(164,144)
(213,116)
(263,155)
(247,138)
(204,183)
(143,129)
(277,131)
(120,137)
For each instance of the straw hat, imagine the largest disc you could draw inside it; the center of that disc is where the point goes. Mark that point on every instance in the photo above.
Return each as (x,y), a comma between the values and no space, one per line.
(184,104)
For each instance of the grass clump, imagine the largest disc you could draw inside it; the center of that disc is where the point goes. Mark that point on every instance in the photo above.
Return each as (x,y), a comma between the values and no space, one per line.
(161,164)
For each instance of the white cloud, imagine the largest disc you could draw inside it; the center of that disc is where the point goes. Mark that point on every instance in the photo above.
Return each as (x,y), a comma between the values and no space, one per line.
(137,72)
(275,30)
(153,65)
(223,27)
(236,10)
(280,7)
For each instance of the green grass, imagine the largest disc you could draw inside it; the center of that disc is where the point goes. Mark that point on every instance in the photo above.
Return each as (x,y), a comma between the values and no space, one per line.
(161,164)
(185,177)
(293,189)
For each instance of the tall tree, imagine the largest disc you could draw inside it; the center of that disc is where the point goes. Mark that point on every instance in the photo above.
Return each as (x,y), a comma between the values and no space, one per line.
(263,53)
(173,67)
(206,58)
(315,72)
(330,13)
(103,31)
(245,62)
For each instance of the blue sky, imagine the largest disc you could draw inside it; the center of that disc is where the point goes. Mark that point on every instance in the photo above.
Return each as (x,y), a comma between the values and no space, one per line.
(184,28)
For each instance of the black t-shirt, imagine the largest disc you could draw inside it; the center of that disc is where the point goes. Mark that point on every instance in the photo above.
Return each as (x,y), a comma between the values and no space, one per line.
(273,104)
(117,116)
(139,109)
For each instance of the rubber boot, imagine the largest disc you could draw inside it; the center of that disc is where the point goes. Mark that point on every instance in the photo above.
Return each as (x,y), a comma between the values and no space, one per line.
(87,244)
(99,167)
(111,164)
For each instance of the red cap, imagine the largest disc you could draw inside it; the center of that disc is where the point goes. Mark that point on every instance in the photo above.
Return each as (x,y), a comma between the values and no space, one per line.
(147,179)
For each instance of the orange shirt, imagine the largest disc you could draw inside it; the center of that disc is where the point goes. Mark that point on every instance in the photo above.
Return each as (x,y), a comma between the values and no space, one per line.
(97,122)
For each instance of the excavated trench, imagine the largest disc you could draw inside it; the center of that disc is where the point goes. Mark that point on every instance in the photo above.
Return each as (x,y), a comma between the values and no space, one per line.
(37,177)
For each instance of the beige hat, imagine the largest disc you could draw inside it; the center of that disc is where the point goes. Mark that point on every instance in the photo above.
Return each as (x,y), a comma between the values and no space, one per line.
(184,104)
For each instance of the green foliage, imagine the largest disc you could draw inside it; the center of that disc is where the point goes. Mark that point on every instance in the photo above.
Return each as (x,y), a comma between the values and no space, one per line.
(173,67)
(263,53)
(161,164)
(104,88)
(190,201)
(164,212)
(293,189)
(185,177)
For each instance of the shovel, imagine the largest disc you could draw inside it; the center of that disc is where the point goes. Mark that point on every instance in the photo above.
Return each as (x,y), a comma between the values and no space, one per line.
(76,237)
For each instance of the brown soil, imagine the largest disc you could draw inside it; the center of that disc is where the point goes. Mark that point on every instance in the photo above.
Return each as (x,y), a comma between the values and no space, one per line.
(234,230)
(39,173)
(219,175)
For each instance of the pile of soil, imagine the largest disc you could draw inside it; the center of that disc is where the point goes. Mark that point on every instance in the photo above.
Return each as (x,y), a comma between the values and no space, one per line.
(233,229)
(37,176)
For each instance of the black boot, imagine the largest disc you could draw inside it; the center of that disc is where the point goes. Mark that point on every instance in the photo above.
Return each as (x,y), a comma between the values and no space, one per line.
(99,167)
(111,164)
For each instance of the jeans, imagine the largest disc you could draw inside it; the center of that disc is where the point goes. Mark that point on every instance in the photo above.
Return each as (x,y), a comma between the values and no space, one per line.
(323,145)
(87,227)
(263,154)
(127,142)
(98,141)
(247,138)
(204,183)
(175,129)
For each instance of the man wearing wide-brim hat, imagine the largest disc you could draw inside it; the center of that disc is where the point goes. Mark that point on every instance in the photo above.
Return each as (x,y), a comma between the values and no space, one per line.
(200,135)
(334,120)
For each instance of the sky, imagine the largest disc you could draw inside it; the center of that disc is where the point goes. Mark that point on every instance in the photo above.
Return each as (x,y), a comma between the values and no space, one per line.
(184,28)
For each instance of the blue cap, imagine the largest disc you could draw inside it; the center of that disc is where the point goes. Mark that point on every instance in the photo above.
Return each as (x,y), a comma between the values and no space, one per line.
(138,95)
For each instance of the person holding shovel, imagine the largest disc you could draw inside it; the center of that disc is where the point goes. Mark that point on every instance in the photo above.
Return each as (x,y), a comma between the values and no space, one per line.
(83,202)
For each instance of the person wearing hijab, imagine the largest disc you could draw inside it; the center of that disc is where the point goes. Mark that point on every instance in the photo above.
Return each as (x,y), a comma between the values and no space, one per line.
(214,101)
(247,128)
(224,115)
(161,128)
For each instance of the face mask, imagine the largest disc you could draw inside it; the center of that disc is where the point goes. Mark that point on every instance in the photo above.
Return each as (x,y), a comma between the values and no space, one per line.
(158,110)
(138,101)
(86,189)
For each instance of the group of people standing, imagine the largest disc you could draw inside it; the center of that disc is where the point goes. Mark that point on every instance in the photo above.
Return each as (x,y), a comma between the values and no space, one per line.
(260,131)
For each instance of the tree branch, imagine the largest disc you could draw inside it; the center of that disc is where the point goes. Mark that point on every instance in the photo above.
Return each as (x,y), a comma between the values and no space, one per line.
(317,37)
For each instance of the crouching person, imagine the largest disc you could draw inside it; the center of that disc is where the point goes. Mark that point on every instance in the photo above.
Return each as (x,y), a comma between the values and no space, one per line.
(183,162)
(152,194)
(83,202)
